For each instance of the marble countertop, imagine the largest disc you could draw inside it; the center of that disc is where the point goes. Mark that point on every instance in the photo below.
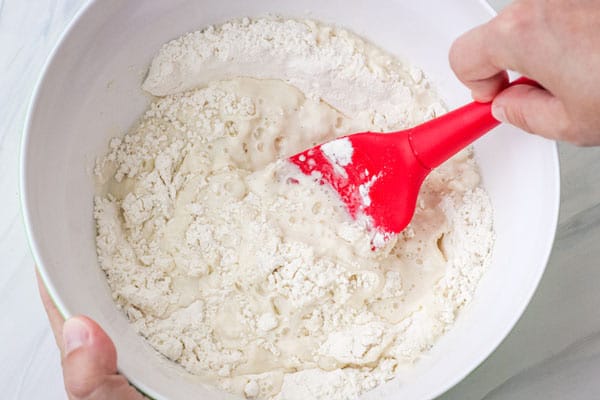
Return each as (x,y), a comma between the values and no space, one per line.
(552,353)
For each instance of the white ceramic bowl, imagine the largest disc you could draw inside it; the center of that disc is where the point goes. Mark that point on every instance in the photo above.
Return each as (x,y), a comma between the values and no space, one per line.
(90,91)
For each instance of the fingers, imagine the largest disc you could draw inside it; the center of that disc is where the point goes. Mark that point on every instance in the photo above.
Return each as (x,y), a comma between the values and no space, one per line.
(89,357)
(481,56)
(534,110)
(473,64)
(514,40)
(90,363)
(54,316)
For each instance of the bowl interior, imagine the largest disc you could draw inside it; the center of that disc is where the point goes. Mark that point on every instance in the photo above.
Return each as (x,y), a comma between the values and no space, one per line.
(91,92)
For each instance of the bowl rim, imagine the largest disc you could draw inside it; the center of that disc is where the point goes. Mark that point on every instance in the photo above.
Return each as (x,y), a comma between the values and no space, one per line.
(140,385)
(45,279)
(23,163)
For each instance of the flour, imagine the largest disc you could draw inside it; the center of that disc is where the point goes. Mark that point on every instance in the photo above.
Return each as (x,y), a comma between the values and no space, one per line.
(338,152)
(364,191)
(324,62)
(235,265)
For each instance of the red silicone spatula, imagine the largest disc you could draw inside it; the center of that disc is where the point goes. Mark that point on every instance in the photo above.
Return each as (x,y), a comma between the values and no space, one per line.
(379,175)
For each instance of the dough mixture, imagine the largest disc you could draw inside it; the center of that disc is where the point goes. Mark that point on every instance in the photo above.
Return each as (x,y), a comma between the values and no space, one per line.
(233,264)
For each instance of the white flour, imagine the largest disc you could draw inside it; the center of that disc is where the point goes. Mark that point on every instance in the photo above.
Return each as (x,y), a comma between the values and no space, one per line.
(240,268)
(338,152)
(322,61)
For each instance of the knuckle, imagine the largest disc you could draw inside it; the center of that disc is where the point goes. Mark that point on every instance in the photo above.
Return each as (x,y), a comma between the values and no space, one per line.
(455,56)
(80,388)
(514,21)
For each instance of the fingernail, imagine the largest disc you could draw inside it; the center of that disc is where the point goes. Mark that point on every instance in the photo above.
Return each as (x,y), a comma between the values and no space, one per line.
(499,113)
(75,334)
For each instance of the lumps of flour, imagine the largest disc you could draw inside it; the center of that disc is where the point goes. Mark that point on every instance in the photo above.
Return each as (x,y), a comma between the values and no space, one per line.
(242,270)
(338,152)
(324,62)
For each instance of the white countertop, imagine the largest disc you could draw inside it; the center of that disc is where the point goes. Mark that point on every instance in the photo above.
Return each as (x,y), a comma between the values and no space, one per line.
(553,352)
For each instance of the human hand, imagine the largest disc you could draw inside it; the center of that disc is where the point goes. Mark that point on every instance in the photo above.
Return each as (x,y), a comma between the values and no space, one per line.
(556,43)
(89,358)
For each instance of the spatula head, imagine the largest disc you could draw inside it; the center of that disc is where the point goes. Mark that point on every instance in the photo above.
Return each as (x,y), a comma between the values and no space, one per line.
(376,175)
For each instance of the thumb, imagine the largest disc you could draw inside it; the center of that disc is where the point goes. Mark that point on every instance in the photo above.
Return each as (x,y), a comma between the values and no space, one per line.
(532,109)
(90,363)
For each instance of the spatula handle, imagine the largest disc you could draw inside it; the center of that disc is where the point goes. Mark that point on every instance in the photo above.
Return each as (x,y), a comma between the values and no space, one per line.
(439,139)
